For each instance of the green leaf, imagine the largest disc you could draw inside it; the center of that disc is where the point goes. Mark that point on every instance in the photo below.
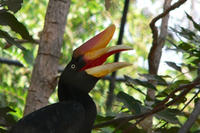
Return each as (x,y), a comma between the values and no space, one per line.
(156,78)
(171,87)
(10,40)
(14,5)
(169,115)
(178,83)
(196,61)
(3,130)
(9,19)
(131,103)
(174,66)
(5,110)
(6,118)
(28,56)
(100,118)
(139,82)
(162,94)
(196,26)
(170,130)
(196,100)
(3,100)
(10,120)
(187,33)
(185,46)
(196,131)
(127,125)
(189,66)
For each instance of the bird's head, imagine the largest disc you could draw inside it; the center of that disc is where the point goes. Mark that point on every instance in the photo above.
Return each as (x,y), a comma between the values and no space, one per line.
(86,66)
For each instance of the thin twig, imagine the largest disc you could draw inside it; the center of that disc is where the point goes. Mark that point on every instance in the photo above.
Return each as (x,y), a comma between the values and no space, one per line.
(27,41)
(11,62)
(196,94)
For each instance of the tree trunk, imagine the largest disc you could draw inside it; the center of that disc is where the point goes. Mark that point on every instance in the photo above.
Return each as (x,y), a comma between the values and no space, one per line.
(44,79)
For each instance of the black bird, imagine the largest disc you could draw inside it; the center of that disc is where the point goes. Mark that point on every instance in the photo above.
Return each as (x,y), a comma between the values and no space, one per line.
(75,112)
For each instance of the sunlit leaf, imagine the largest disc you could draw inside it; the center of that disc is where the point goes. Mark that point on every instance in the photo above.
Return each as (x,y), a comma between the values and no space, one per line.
(169,115)
(156,78)
(5,117)
(9,19)
(14,5)
(162,94)
(185,46)
(196,61)
(5,110)
(3,100)
(100,118)
(28,56)
(10,40)
(145,84)
(130,102)
(178,83)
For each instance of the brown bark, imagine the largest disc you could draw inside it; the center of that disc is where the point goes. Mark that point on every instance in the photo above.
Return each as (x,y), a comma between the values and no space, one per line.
(154,58)
(158,41)
(43,80)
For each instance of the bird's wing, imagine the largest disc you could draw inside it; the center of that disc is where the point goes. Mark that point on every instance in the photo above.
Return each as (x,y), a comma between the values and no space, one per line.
(62,117)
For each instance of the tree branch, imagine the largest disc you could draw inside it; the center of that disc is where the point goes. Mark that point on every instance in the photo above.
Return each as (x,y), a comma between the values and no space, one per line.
(155,51)
(11,62)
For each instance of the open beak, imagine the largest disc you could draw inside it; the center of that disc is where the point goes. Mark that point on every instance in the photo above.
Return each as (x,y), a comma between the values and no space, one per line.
(95,53)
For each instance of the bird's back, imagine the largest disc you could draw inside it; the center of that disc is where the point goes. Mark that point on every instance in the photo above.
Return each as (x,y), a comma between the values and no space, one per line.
(62,117)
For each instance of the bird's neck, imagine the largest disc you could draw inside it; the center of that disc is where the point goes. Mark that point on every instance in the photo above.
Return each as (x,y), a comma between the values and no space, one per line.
(74,94)
(68,93)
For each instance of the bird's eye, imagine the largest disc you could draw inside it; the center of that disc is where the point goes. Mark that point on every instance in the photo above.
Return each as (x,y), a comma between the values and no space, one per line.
(73,66)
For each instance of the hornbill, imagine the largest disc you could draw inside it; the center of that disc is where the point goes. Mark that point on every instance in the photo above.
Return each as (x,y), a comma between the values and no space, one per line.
(75,112)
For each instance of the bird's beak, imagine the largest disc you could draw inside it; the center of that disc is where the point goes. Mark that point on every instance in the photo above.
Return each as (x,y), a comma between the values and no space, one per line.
(95,53)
